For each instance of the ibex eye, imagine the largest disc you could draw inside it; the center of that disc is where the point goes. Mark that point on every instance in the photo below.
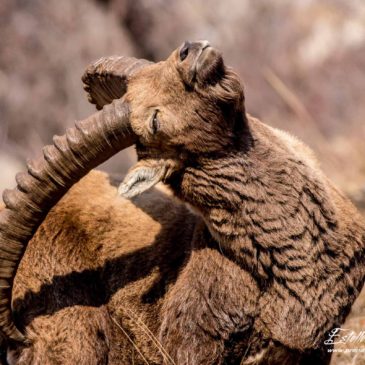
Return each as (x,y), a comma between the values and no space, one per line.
(154,123)
(184,51)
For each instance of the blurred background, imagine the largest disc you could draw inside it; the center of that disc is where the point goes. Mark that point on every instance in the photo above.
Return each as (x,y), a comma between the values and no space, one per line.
(302,63)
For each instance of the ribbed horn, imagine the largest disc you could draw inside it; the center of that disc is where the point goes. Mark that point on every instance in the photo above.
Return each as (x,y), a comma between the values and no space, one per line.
(89,143)
(107,78)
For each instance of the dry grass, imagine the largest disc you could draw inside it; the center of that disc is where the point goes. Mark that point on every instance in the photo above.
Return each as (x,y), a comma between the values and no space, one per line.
(125,333)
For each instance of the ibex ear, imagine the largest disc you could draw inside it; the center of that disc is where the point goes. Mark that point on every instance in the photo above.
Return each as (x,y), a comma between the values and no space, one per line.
(144,175)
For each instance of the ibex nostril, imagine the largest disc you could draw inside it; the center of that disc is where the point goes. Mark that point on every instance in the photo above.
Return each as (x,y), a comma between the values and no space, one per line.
(184,50)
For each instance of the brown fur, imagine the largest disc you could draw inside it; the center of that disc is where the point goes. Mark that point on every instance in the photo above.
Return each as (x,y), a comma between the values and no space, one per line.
(104,266)
(266,206)
(91,264)
(272,260)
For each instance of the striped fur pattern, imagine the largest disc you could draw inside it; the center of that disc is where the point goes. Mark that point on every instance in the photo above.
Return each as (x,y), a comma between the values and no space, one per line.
(298,242)
(282,221)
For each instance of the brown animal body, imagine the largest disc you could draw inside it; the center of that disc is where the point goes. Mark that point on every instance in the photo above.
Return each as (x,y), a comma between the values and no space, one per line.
(271,259)
(91,268)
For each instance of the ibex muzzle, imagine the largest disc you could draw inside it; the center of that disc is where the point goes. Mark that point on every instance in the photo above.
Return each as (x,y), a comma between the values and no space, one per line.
(200,62)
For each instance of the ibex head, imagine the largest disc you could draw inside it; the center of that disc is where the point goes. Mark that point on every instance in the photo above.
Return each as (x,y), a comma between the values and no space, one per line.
(188,105)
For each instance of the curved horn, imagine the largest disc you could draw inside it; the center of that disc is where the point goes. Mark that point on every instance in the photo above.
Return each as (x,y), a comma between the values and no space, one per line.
(89,143)
(106,79)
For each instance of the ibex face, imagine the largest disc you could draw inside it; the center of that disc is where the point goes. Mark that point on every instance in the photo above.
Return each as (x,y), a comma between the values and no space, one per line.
(191,104)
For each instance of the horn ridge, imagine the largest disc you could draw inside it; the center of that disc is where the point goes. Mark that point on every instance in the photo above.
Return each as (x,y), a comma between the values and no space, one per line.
(107,78)
(73,155)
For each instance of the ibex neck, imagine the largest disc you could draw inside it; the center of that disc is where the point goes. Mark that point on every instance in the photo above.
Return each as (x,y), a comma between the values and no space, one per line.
(259,201)
(221,189)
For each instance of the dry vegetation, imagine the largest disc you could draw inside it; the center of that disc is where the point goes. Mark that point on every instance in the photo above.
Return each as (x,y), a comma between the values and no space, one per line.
(302,63)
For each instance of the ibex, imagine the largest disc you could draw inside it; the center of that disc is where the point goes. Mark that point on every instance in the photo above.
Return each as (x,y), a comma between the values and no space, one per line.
(255,262)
